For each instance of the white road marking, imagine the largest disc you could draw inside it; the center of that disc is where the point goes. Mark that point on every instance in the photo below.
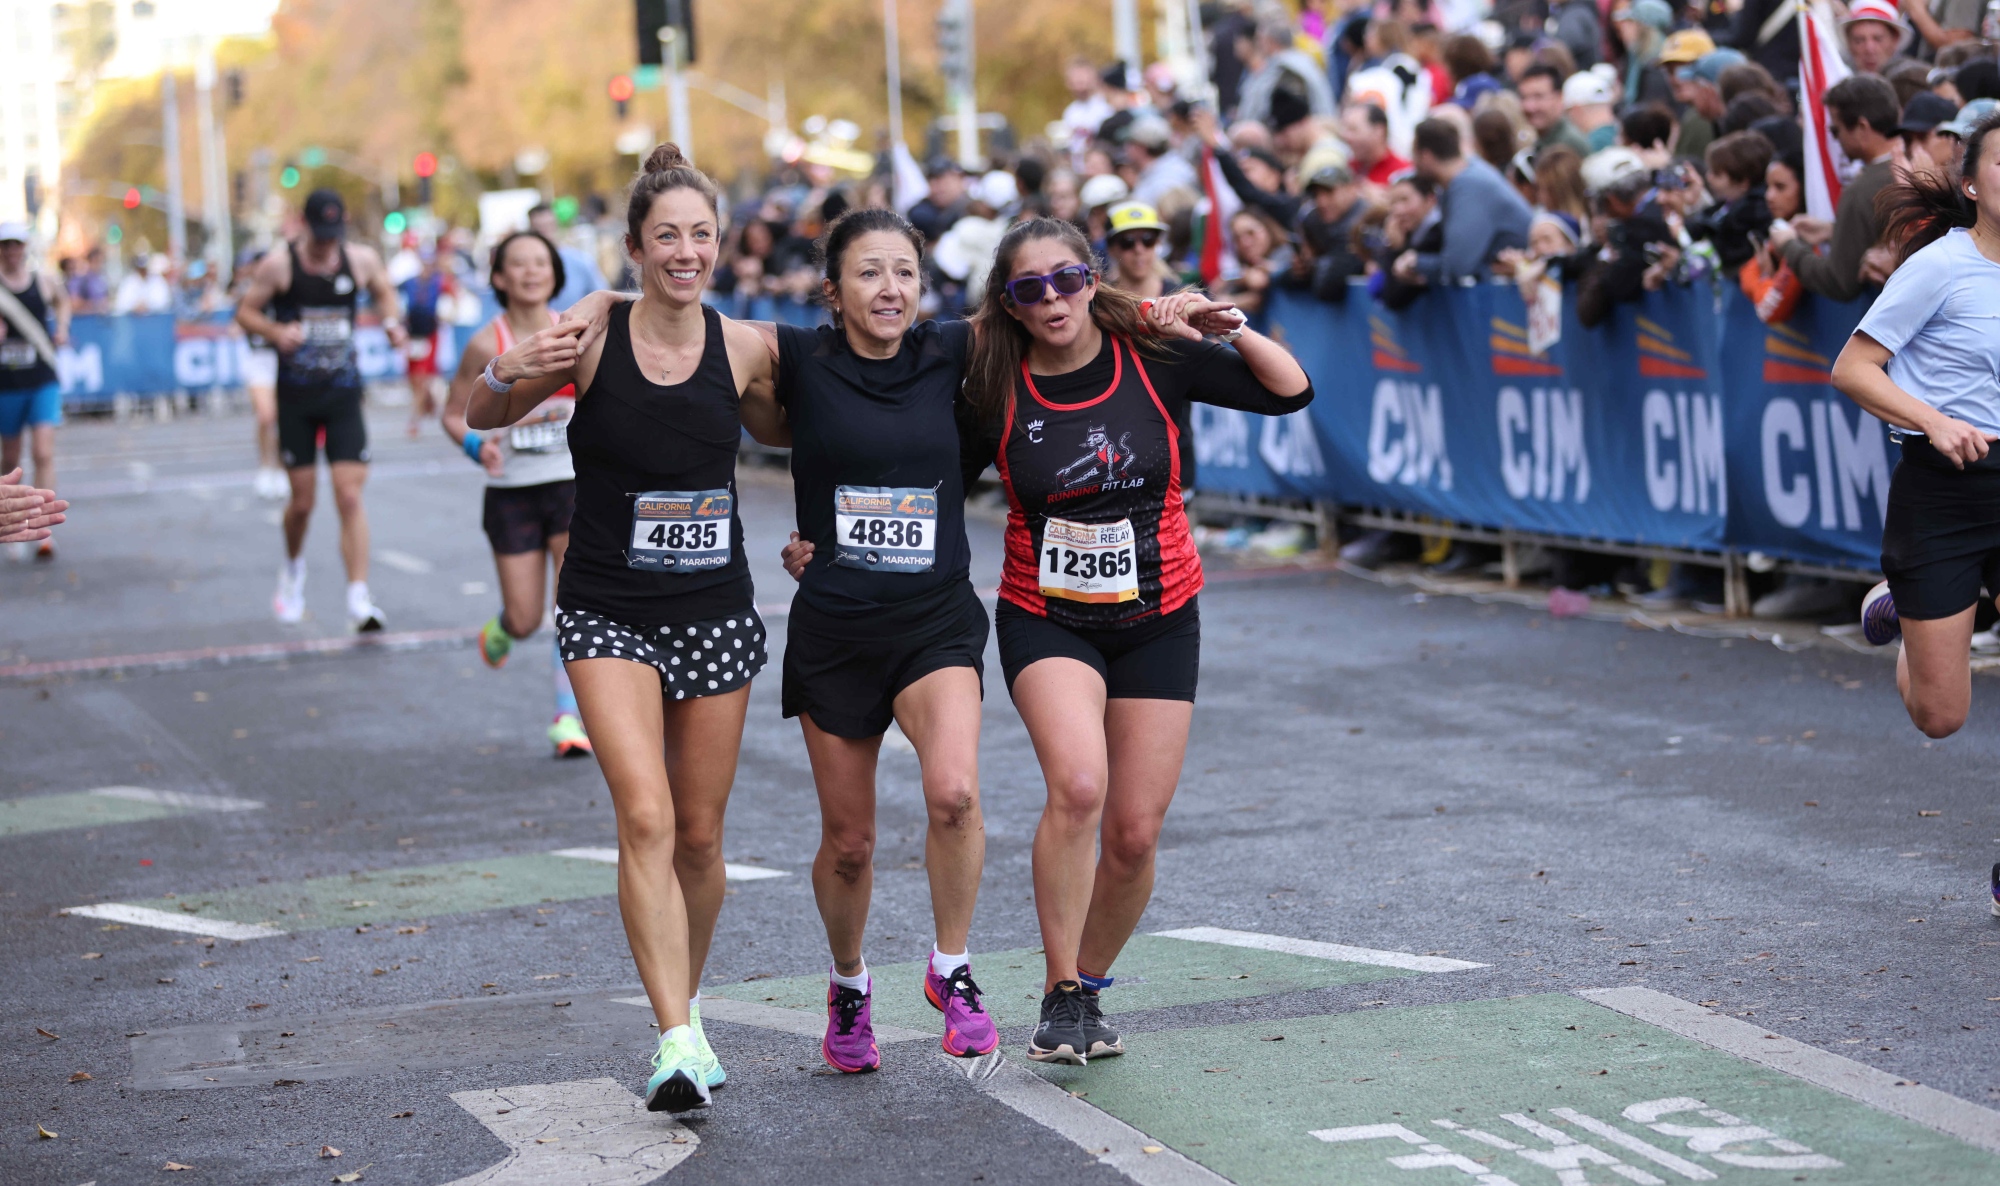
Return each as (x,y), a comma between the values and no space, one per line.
(1116,1143)
(183,799)
(1878,1089)
(1625,1140)
(786,1021)
(1324,951)
(589,1132)
(731,872)
(472,588)
(142,916)
(404,562)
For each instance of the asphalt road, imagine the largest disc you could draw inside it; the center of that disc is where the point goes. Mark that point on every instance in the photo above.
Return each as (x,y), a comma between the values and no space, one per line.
(1569,805)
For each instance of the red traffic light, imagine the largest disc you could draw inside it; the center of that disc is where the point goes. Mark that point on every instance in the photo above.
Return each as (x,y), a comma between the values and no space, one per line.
(426,164)
(132,198)
(620,88)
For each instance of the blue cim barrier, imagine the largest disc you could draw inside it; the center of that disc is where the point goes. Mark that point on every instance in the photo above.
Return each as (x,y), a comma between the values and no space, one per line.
(1676,424)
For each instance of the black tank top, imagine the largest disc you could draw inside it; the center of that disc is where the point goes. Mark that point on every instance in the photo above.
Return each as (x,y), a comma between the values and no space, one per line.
(21,365)
(677,444)
(325,306)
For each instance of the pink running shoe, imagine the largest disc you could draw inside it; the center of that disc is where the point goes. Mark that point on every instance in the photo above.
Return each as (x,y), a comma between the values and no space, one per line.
(849,1045)
(968,1028)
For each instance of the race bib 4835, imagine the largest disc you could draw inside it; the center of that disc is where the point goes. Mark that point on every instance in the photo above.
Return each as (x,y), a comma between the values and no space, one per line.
(680,530)
(1089,561)
(885,528)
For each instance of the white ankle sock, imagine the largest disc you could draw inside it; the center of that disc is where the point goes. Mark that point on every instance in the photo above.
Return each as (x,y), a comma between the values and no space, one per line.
(295,568)
(944,965)
(357,596)
(858,982)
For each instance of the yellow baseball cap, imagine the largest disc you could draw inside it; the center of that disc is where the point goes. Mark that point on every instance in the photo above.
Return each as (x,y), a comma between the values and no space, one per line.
(1684,46)
(1135,216)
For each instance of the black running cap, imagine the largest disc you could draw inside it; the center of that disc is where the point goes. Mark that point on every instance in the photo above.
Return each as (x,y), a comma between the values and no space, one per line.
(326,214)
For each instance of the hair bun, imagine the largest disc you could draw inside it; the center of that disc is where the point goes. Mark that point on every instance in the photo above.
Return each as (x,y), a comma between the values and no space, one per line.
(665,157)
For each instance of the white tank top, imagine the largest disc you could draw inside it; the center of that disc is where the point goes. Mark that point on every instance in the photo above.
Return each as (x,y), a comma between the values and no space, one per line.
(535,450)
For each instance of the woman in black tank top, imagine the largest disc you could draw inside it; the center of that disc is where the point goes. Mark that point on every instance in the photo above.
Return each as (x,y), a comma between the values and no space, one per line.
(659,631)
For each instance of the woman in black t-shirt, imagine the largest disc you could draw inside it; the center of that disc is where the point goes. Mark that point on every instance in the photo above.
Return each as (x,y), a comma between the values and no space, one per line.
(885,625)
(659,631)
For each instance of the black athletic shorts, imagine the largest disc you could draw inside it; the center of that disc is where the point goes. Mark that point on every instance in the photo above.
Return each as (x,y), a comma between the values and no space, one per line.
(694,659)
(847,672)
(305,409)
(522,518)
(1158,659)
(1941,541)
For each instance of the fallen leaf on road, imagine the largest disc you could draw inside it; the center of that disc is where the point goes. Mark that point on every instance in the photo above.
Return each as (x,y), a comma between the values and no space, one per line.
(1214,1070)
(412,930)
(287,1034)
(164,980)
(550,976)
(489,984)
(93,955)
(547,1140)
(359,904)
(286,1082)
(1930,813)
(45,1134)
(561,1005)
(258,1005)
(381,972)
(1150,1149)
(401,1115)
(1812,802)
(311,959)
(47,1034)
(1275,1038)
(116,926)
(328,1151)
(80,1077)
(175,1165)
(1600,1072)
(352,1176)
(1710,1004)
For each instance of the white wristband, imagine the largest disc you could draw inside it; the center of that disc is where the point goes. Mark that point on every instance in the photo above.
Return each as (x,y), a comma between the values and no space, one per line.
(492,381)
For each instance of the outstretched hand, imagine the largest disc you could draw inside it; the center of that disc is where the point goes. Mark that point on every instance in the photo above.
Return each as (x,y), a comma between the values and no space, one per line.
(1191,315)
(796,556)
(544,353)
(27,513)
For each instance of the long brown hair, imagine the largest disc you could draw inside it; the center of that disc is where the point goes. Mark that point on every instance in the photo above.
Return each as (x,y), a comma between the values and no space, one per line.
(999,342)
(665,169)
(1920,207)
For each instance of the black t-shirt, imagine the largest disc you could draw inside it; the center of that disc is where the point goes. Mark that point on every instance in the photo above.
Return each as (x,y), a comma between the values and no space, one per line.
(1183,373)
(880,437)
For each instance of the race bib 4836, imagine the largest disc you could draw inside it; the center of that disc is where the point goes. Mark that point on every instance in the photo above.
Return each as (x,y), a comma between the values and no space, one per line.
(1089,561)
(680,530)
(885,528)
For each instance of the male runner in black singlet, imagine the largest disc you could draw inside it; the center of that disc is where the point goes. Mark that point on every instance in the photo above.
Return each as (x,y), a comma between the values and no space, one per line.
(301,299)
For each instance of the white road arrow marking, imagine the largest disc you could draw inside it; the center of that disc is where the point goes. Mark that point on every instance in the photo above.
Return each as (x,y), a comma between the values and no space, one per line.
(589,1132)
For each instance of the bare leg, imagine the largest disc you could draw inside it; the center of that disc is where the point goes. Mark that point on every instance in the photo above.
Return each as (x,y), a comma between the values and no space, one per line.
(42,443)
(623,709)
(264,405)
(940,715)
(298,512)
(1147,739)
(703,738)
(844,871)
(522,589)
(1934,672)
(10,454)
(348,479)
(1061,701)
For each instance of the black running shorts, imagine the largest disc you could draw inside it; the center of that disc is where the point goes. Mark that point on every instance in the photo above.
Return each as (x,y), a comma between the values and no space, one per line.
(694,659)
(304,410)
(846,673)
(1941,541)
(522,518)
(1158,659)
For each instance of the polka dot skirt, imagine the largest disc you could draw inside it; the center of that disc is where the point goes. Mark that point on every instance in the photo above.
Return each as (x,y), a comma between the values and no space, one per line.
(694,658)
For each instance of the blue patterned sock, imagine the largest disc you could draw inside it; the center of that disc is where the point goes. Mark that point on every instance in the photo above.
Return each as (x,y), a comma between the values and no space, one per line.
(1094,983)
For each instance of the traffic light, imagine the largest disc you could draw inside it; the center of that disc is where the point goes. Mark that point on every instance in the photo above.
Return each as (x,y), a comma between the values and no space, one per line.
(395,223)
(289,176)
(132,198)
(621,91)
(232,85)
(426,166)
(655,15)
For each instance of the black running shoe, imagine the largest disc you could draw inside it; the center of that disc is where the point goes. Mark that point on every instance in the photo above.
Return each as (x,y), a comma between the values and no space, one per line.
(1059,1037)
(1996,890)
(1100,1040)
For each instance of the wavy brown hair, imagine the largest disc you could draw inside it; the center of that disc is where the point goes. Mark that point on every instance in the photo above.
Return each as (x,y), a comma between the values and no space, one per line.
(999,342)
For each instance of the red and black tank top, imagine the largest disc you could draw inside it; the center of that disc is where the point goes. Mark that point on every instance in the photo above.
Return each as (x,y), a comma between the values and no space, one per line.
(1096,532)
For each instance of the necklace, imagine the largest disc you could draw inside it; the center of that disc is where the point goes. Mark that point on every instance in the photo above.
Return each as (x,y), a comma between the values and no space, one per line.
(668,356)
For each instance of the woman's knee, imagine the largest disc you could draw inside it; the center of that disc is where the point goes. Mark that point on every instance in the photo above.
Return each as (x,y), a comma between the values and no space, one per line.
(952,801)
(697,841)
(1076,796)
(1935,720)
(1128,845)
(649,829)
(849,850)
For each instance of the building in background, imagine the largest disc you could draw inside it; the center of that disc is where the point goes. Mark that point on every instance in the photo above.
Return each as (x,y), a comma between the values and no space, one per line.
(30,148)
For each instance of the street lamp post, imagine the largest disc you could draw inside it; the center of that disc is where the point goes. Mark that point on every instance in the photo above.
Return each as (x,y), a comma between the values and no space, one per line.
(674,73)
(170,135)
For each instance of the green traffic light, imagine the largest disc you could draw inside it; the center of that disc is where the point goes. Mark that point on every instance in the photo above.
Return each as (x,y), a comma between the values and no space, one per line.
(394,222)
(312,158)
(114,234)
(565,209)
(289,178)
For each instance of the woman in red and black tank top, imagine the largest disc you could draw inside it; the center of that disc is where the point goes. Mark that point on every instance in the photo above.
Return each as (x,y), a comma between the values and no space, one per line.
(1085,392)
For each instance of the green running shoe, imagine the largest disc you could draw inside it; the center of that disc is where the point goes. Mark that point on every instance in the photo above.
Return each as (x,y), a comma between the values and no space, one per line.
(677,1084)
(568,737)
(711,1066)
(495,644)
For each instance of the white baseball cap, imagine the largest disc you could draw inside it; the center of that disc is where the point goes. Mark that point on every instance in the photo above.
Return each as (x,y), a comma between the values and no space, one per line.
(1103,190)
(1586,87)
(1607,167)
(15,232)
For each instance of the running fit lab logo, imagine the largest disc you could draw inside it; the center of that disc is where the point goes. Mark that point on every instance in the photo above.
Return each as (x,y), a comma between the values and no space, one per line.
(1682,431)
(1810,447)
(1406,442)
(1105,463)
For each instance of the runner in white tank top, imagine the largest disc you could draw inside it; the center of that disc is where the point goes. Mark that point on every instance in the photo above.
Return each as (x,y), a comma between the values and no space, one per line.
(530,480)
